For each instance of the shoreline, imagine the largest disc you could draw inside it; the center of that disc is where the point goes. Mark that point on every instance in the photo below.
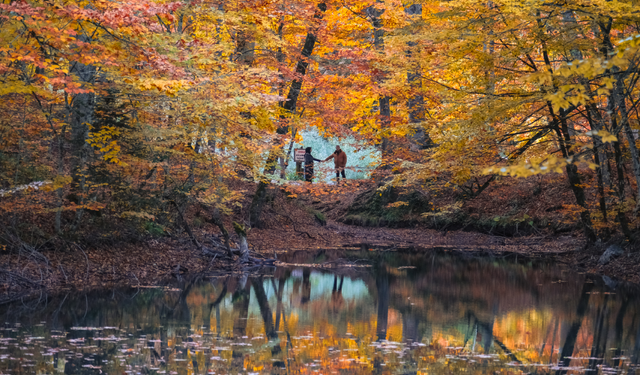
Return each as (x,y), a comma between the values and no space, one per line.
(158,260)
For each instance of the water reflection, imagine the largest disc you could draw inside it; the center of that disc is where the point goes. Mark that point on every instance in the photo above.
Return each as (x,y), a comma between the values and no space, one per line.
(406,314)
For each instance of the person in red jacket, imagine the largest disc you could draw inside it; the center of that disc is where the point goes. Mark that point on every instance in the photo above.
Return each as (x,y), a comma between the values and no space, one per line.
(340,162)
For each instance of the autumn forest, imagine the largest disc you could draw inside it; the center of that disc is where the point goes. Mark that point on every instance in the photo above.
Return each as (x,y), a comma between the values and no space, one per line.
(414,174)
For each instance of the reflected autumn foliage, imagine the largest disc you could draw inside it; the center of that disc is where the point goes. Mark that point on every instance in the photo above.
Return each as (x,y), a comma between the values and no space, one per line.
(407,313)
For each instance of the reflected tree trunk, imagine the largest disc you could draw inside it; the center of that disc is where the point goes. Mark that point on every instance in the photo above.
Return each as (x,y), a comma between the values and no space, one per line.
(279,306)
(241,307)
(636,347)
(265,309)
(553,340)
(487,335)
(488,338)
(382,286)
(336,294)
(218,325)
(267,319)
(597,350)
(475,338)
(409,327)
(306,286)
(619,331)
(216,305)
(180,310)
(572,335)
(546,337)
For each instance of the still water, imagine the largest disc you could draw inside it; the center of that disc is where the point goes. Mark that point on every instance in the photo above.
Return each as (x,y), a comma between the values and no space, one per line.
(405,314)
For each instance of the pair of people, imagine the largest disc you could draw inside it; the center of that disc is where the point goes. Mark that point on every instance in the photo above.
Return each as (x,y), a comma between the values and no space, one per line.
(339,160)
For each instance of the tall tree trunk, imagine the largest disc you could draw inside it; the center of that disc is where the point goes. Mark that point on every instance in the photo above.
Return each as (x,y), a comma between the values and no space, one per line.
(216,219)
(560,126)
(622,218)
(60,170)
(601,195)
(620,186)
(633,149)
(243,246)
(600,157)
(593,116)
(301,69)
(245,48)
(616,102)
(601,148)
(257,203)
(575,180)
(420,139)
(82,115)
(383,101)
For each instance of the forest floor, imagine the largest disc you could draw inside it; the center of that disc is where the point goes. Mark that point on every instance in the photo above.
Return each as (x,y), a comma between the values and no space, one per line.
(314,220)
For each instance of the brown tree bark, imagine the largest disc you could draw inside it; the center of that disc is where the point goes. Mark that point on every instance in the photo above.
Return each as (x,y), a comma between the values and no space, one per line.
(420,139)
(289,104)
(384,106)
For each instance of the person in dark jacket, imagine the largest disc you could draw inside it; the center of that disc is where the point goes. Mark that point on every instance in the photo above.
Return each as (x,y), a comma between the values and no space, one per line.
(339,161)
(308,165)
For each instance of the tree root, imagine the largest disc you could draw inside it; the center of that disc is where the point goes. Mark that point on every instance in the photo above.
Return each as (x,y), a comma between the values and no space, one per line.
(16,279)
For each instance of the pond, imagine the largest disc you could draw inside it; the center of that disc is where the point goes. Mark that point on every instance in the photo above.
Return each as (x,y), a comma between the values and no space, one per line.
(406,313)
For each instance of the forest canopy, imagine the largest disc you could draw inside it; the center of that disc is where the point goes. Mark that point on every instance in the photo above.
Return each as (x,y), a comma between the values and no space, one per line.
(133,111)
